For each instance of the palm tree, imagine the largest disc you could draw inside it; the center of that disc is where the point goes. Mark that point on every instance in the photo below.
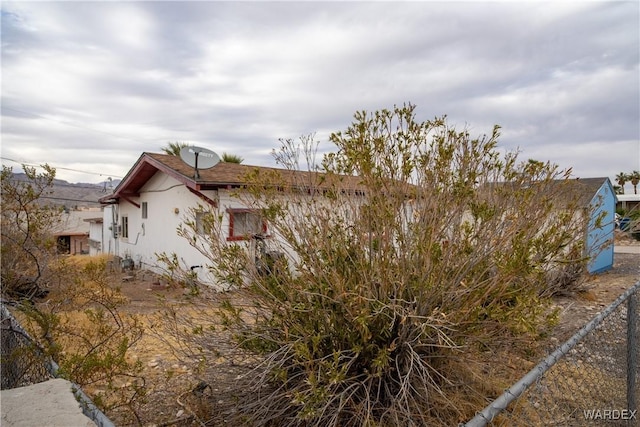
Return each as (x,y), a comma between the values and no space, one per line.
(634,177)
(173,148)
(622,179)
(231,158)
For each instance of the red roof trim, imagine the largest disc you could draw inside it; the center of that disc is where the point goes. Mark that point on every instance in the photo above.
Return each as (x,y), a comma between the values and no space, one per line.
(144,168)
(203,197)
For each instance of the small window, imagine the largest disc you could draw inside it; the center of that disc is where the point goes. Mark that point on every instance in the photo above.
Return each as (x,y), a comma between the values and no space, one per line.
(244,223)
(144,210)
(204,222)
(124,233)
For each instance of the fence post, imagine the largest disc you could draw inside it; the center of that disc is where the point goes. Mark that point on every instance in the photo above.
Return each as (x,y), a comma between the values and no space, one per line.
(632,342)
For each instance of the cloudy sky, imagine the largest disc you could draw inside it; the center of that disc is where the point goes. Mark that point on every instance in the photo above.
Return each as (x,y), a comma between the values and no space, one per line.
(89,86)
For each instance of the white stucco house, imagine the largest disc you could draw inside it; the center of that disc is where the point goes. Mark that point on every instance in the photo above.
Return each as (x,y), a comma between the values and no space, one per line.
(141,217)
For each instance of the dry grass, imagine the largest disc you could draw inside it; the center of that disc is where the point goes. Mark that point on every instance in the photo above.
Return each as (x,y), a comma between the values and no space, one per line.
(173,368)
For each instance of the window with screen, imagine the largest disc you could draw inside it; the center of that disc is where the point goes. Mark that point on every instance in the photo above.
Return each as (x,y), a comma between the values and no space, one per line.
(244,223)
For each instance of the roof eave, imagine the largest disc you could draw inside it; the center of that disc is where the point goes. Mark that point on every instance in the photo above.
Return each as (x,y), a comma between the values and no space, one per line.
(144,168)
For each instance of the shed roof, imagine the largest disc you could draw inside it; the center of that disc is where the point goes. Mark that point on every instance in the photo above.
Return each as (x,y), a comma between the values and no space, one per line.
(586,188)
(567,192)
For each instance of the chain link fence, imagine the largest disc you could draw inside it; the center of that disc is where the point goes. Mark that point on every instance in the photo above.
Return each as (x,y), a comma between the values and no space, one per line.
(23,363)
(592,379)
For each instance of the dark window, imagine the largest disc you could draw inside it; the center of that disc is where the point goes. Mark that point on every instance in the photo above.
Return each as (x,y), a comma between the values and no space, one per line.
(124,233)
(244,223)
(144,210)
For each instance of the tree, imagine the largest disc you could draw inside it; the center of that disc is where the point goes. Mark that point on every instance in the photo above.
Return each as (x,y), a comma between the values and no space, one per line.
(634,177)
(28,243)
(231,158)
(622,179)
(79,326)
(414,256)
(173,148)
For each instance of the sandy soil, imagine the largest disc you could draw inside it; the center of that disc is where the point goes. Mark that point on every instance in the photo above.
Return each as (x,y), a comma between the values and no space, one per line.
(170,398)
(603,288)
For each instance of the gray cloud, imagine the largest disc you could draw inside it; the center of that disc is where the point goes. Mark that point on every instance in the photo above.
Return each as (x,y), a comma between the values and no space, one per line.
(103,81)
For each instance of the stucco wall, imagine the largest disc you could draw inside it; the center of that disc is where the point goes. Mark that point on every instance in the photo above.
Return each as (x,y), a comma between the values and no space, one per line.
(95,238)
(79,245)
(168,206)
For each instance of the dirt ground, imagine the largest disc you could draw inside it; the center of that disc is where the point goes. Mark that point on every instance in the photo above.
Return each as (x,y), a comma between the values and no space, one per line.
(168,379)
(171,382)
(603,288)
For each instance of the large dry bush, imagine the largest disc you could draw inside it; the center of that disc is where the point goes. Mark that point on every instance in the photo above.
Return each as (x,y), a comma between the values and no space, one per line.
(394,270)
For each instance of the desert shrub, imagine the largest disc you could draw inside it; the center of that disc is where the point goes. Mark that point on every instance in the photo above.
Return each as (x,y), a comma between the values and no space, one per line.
(413,251)
(27,232)
(66,304)
(568,278)
(81,327)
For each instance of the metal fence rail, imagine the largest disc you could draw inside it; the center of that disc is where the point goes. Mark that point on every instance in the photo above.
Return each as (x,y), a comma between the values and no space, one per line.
(592,379)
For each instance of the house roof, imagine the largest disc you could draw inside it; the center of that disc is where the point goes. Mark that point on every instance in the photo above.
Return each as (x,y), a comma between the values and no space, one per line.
(74,223)
(232,175)
(222,175)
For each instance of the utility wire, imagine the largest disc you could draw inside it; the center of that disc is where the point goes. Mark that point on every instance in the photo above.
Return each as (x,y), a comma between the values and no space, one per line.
(70,200)
(61,168)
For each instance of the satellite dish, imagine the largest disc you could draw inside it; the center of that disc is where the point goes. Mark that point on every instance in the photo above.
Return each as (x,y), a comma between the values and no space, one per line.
(199,158)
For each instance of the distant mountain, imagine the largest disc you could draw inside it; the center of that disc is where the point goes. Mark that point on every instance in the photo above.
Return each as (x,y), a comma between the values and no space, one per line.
(74,195)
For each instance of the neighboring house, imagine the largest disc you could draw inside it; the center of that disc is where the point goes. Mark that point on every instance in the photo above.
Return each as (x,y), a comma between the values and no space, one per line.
(155,197)
(598,197)
(72,233)
(96,235)
(628,202)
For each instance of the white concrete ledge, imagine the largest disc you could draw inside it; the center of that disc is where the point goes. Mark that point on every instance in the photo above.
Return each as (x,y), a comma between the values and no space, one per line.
(47,404)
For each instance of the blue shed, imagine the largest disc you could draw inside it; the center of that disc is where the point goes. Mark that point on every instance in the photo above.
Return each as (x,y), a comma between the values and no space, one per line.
(599,199)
